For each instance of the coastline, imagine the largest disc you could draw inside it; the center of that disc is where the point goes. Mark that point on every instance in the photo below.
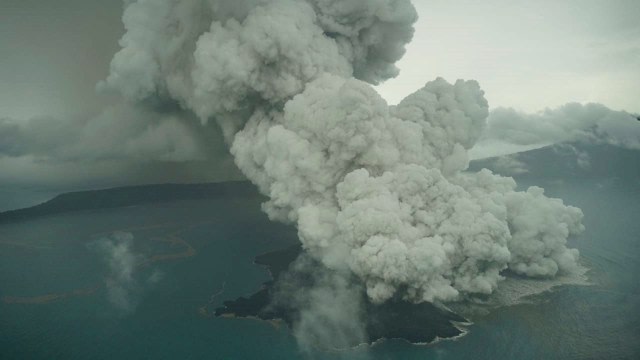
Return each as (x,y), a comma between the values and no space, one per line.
(418,324)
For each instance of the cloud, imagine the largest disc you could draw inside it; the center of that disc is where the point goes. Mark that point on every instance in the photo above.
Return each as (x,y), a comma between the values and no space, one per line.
(122,144)
(590,123)
(119,132)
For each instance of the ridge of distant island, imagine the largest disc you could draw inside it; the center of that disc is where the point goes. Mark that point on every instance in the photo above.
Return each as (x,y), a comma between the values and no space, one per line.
(555,161)
(131,196)
(396,319)
(416,323)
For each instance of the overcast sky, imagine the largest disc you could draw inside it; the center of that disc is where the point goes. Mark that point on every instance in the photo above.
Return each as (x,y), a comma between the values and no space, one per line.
(526,55)
(52,53)
(529,54)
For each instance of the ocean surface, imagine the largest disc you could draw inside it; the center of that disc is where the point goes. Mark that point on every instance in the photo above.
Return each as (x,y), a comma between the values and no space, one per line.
(57,300)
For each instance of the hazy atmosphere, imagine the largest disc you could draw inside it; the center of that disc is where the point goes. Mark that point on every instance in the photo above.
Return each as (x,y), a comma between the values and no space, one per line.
(407,172)
(526,57)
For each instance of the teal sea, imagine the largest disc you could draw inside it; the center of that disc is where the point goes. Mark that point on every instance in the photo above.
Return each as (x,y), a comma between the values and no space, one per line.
(55,304)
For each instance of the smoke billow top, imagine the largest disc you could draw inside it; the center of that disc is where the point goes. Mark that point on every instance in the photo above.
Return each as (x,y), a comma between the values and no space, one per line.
(378,193)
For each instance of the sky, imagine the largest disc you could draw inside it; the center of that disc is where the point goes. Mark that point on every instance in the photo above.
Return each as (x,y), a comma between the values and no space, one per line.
(52,53)
(526,56)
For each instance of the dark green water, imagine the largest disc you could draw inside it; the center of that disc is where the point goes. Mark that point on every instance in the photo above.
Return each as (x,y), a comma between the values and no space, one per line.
(601,321)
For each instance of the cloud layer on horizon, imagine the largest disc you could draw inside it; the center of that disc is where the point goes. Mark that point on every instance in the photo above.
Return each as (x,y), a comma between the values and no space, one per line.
(124,144)
(510,131)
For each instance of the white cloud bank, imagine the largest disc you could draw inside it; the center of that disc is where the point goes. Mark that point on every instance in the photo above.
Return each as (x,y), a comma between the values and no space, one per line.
(122,145)
(119,132)
(509,131)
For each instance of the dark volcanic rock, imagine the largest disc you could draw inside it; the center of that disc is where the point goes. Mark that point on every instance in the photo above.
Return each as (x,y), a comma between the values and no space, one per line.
(395,319)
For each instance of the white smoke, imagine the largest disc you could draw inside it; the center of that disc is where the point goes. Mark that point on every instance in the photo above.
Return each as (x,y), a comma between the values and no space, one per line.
(124,283)
(376,192)
(249,54)
(118,132)
(329,305)
(331,315)
(509,165)
(121,261)
(380,191)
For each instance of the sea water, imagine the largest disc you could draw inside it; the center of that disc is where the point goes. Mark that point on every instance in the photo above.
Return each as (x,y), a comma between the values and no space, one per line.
(53,255)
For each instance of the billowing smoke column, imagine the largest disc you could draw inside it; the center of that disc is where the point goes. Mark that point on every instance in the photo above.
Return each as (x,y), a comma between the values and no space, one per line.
(376,192)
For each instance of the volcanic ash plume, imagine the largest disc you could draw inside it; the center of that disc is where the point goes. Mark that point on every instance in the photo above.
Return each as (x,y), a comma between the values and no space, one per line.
(376,192)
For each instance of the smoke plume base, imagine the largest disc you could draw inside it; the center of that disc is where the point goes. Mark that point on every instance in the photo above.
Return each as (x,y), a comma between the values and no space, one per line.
(330,312)
(379,194)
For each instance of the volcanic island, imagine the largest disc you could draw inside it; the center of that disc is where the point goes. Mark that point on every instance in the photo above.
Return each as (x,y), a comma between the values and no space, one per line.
(421,323)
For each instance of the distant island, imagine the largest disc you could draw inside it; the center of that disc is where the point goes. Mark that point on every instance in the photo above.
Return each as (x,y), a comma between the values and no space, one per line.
(131,196)
(416,323)
(567,160)
(557,161)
